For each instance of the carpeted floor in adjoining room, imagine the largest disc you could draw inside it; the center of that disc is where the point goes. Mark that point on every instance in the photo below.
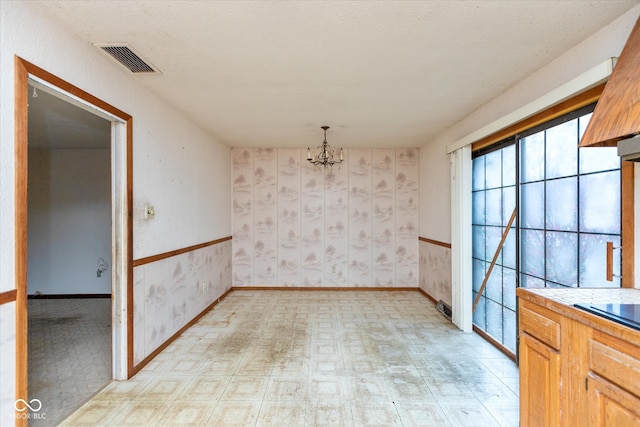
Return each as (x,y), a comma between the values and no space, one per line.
(69,354)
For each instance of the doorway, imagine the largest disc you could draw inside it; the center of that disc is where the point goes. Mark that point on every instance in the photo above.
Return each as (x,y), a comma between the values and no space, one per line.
(69,254)
(118,271)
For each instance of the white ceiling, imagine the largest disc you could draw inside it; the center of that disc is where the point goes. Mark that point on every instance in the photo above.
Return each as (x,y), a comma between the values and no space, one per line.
(380,73)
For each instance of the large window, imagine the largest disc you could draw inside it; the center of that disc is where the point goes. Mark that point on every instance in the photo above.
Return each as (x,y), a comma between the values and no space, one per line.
(567,201)
(494,199)
(569,208)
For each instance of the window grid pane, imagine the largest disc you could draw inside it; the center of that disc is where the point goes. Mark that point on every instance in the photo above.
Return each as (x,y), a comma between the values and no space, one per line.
(574,192)
(569,207)
(493,201)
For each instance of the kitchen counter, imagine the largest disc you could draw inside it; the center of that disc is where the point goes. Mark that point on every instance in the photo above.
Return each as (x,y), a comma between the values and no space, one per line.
(577,368)
(561,300)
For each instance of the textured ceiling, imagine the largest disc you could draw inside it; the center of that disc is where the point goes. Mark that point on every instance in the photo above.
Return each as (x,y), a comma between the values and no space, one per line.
(380,73)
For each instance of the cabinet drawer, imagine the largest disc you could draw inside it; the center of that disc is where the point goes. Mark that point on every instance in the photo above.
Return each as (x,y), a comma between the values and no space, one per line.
(615,362)
(541,327)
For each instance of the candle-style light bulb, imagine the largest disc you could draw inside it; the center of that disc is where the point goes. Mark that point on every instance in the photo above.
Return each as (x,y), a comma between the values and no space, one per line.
(308,153)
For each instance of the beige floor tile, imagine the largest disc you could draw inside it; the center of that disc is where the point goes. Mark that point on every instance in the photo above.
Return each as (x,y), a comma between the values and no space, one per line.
(326,367)
(408,388)
(444,390)
(513,383)
(359,366)
(467,413)
(220,365)
(422,414)
(325,335)
(255,365)
(291,366)
(286,389)
(94,413)
(382,414)
(245,388)
(329,413)
(234,413)
(121,391)
(283,413)
(501,367)
(191,365)
(492,391)
(369,388)
(325,350)
(507,415)
(317,359)
(328,388)
(140,413)
(164,388)
(187,413)
(204,388)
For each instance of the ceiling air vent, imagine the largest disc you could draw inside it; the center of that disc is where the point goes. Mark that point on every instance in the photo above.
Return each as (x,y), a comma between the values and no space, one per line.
(126,57)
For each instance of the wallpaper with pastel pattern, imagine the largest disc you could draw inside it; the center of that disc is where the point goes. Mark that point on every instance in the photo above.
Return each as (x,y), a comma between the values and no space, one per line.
(169,293)
(295,224)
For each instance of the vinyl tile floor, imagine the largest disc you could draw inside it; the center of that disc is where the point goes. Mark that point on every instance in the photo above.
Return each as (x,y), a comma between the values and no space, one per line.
(316,358)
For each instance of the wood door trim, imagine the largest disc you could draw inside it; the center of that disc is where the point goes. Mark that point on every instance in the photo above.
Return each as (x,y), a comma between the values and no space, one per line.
(627,227)
(21,116)
(22,70)
(9,296)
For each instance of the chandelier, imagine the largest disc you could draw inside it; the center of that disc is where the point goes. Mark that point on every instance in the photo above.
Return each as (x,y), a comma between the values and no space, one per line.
(325,156)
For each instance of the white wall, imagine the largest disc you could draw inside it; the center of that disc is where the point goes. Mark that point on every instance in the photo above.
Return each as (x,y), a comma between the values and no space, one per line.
(435,198)
(69,221)
(178,168)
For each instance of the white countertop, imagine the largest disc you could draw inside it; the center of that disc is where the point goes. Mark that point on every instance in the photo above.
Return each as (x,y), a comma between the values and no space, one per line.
(570,296)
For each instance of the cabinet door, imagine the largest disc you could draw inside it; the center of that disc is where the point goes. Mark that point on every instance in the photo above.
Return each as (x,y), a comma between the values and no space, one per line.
(610,405)
(539,383)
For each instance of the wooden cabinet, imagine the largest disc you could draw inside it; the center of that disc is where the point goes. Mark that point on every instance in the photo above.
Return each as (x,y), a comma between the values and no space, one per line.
(540,385)
(611,405)
(539,405)
(613,382)
(575,368)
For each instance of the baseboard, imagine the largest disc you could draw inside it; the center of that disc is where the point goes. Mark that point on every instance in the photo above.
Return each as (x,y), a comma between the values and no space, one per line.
(172,338)
(68,296)
(429,297)
(319,288)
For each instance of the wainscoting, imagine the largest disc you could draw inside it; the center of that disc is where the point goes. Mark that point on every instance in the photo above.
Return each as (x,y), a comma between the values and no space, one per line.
(170,291)
(435,269)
